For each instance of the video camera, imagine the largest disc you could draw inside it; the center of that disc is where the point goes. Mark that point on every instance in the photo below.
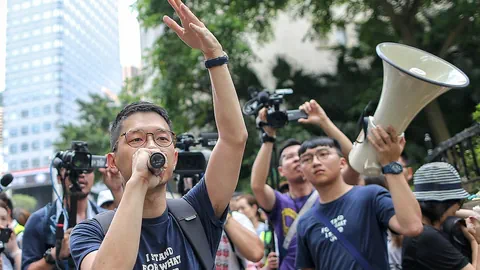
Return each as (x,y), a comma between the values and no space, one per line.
(191,165)
(276,118)
(79,159)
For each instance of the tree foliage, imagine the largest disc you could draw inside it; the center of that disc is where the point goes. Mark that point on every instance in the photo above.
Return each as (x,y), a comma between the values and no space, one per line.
(450,29)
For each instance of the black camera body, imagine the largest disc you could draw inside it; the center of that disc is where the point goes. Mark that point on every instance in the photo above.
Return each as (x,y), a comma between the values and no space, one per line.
(5,234)
(78,159)
(276,118)
(191,165)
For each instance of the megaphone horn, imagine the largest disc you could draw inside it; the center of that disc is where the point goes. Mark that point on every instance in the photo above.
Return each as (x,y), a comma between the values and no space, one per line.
(412,79)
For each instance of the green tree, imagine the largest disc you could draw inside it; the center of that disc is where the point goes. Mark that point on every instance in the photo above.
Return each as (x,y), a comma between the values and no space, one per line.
(24,201)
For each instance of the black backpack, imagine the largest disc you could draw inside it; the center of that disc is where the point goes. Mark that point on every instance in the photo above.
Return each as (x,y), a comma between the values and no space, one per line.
(190,226)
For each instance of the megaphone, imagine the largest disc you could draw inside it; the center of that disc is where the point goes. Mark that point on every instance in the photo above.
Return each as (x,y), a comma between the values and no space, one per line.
(412,79)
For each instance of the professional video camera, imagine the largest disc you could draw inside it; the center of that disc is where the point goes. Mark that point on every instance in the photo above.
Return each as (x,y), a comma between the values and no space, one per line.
(276,118)
(191,165)
(78,159)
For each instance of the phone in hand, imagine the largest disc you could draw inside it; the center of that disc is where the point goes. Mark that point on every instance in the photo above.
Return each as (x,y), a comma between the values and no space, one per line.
(5,234)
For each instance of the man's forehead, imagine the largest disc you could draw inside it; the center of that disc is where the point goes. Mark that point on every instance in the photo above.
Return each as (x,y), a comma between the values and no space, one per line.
(291,149)
(145,121)
(318,148)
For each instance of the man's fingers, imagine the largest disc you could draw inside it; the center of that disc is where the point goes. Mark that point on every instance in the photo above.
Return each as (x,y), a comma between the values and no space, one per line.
(384,135)
(173,25)
(190,16)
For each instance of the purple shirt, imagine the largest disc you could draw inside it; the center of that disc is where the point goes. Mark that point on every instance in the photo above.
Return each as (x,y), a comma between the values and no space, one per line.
(283,214)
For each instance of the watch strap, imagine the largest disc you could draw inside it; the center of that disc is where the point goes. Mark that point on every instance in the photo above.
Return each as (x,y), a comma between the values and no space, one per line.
(219,61)
(267,138)
(48,257)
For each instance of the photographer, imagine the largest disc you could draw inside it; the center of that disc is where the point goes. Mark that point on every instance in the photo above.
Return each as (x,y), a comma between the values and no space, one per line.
(13,223)
(143,234)
(439,191)
(283,209)
(39,251)
(11,254)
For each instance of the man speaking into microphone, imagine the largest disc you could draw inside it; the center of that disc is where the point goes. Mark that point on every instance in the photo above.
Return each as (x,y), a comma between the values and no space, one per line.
(142,234)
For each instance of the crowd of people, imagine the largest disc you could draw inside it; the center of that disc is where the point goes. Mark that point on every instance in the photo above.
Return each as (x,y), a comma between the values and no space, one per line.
(324,216)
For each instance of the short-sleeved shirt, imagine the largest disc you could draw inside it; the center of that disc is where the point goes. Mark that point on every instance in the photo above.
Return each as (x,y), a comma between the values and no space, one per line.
(282,215)
(39,233)
(431,250)
(361,215)
(162,244)
(226,258)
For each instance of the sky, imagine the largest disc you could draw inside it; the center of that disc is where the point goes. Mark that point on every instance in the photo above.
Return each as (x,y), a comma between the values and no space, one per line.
(129,37)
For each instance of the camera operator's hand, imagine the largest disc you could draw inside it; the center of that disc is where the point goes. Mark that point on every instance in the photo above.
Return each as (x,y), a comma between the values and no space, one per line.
(12,245)
(193,33)
(387,144)
(112,179)
(316,114)
(65,251)
(262,118)
(140,169)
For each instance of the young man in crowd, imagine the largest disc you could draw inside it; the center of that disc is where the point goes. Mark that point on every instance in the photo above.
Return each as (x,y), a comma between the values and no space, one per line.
(359,215)
(283,209)
(142,230)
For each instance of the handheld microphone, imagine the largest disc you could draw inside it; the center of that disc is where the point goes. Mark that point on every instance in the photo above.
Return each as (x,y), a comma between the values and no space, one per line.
(156,162)
(5,181)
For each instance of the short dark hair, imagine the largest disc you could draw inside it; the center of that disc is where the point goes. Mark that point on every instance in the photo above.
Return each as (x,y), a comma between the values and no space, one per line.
(8,202)
(288,143)
(139,106)
(405,159)
(434,210)
(320,141)
(375,180)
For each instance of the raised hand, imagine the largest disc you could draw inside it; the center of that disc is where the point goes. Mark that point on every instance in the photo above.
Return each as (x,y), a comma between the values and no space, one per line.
(387,144)
(112,178)
(316,114)
(262,117)
(193,32)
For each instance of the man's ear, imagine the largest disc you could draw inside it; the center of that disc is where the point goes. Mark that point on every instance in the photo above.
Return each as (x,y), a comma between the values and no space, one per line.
(175,158)
(111,160)
(343,163)
(280,171)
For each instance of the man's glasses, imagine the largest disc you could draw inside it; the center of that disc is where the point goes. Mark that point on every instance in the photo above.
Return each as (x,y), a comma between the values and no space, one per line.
(321,154)
(137,138)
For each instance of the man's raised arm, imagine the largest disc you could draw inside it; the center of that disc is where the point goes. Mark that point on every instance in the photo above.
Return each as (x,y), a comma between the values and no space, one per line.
(264,194)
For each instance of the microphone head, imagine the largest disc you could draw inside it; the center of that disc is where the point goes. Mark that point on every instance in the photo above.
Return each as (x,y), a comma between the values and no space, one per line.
(263,97)
(157,160)
(6,179)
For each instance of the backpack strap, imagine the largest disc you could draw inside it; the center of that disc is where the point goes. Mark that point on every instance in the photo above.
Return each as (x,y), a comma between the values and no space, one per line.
(191,226)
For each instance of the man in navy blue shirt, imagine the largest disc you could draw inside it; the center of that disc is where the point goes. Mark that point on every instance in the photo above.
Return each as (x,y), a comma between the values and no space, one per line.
(142,234)
(39,250)
(360,214)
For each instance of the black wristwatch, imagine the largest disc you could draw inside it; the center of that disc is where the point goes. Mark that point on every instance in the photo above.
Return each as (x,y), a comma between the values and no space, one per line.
(267,138)
(48,256)
(392,168)
(215,62)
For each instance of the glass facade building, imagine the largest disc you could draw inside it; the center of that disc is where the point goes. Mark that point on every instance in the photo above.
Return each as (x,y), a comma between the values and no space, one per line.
(57,51)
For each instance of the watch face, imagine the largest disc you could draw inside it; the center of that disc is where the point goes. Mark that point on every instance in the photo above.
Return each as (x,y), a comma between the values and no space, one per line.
(397,167)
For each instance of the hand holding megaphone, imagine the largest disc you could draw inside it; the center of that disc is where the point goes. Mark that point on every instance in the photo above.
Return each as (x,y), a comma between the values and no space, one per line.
(387,143)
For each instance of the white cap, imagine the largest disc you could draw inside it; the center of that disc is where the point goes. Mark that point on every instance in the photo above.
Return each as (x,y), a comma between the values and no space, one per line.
(104,196)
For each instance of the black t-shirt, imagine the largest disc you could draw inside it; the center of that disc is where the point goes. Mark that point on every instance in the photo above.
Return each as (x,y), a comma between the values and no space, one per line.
(431,250)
